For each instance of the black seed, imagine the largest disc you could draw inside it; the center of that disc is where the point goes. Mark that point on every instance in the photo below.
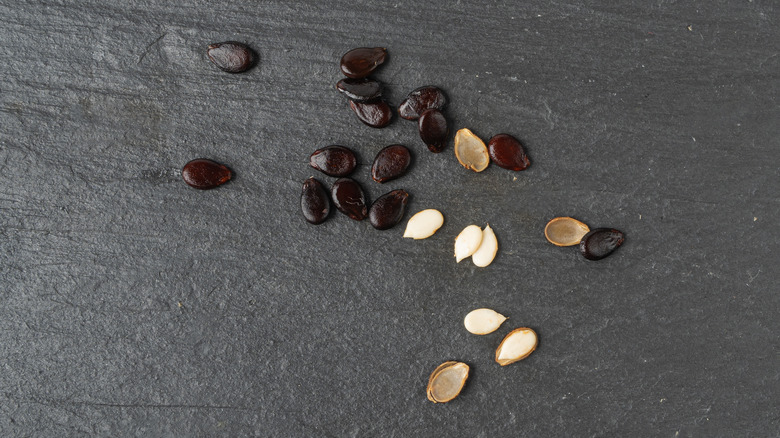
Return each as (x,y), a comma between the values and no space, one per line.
(360,90)
(232,56)
(376,114)
(600,243)
(349,198)
(390,163)
(421,99)
(359,63)
(388,210)
(433,129)
(314,201)
(205,174)
(333,160)
(507,152)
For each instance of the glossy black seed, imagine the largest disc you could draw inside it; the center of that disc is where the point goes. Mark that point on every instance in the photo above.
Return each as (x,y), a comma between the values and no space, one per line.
(333,160)
(390,163)
(433,129)
(314,201)
(348,197)
(205,174)
(507,152)
(376,114)
(359,63)
(360,90)
(421,99)
(388,210)
(600,243)
(232,56)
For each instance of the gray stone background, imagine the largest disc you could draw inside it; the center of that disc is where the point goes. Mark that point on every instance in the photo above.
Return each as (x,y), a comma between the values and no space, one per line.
(133,305)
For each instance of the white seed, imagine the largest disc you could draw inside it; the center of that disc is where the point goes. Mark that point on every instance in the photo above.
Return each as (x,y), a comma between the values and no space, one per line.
(487,249)
(446,381)
(423,224)
(471,151)
(467,242)
(517,345)
(483,321)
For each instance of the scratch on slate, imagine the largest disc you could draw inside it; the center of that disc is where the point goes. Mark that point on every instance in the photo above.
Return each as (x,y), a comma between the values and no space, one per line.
(752,277)
(159,406)
(149,47)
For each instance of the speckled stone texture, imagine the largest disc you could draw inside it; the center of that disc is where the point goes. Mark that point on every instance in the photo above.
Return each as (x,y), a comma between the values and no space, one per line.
(134,305)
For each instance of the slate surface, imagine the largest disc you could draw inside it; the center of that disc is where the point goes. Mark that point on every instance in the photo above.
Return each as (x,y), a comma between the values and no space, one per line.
(132,305)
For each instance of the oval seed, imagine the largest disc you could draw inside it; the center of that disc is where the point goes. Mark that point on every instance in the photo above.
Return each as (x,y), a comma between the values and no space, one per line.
(360,90)
(376,114)
(314,202)
(517,345)
(205,174)
(600,243)
(565,231)
(446,381)
(471,151)
(388,209)
(487,249)
(348,197)
(232,56)
(359,63)
(507,152)
(333,160)
(390,163)
(433,129)
(467,242)
(483,321)
(421,99)
(424,224)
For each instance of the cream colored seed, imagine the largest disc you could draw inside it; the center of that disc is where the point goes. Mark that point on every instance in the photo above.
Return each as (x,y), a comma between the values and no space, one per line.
(471,151)
(565,231)
(424,224)
(487,248)
(467,242)
(483,321)
(446,381)
(517,345)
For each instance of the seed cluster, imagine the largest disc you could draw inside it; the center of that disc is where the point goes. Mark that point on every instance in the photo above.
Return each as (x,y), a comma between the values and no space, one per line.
(392,162)
(448,379)
(594,244)
(424,105)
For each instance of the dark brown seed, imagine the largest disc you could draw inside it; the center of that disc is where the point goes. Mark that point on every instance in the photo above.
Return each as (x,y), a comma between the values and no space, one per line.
(433,129)
(376,114)
(314,202)
(360,90)
(333,160)
(420,100)
(359,63)
(390,163)
(349,198)
(507,152)
(232,56)
(388,210)
(205,174)
(600,243)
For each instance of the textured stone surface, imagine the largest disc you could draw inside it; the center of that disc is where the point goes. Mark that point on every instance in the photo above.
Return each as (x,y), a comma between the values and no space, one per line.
(131,304)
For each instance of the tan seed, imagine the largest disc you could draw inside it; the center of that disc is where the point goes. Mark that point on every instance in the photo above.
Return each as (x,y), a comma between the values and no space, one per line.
(447,381)
(565,231)
(423,224)
(467,242)
(471,151)
(517,345)
(483,321)
(487,249)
